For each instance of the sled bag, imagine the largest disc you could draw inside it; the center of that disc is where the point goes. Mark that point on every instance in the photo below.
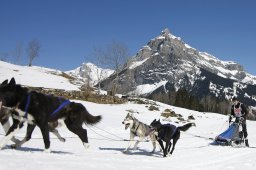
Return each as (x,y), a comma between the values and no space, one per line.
(231,134)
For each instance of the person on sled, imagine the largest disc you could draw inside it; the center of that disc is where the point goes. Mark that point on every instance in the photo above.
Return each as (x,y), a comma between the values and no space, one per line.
(239,112)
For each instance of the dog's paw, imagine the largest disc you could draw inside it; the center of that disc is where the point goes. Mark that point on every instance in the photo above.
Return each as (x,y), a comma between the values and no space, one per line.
(135,148)
(86,145)
(125,151)
(47,150)
(14,146)
(62,139)
(1,146)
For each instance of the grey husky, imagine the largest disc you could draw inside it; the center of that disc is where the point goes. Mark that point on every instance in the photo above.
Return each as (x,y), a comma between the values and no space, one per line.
(139,129)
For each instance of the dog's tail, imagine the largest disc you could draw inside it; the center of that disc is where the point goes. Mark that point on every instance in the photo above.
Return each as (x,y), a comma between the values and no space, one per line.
(186,127)
(90,119)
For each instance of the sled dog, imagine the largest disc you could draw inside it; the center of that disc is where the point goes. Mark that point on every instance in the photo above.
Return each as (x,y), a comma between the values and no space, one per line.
(38,109)
(139,129)
(4,120)
(5,113)
(168,132)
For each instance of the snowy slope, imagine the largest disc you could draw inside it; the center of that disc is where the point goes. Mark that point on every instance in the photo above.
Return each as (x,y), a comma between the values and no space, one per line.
(105,152)
(35,76)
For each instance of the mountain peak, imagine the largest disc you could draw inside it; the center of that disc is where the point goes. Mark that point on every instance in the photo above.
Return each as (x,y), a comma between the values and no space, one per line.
(91,73)
(166,31)
(166,58)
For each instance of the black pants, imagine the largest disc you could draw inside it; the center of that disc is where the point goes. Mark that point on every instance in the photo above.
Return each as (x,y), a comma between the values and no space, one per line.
(244,127)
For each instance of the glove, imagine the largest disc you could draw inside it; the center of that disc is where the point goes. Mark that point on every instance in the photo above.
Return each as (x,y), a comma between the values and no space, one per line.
(230,118)
(241,119)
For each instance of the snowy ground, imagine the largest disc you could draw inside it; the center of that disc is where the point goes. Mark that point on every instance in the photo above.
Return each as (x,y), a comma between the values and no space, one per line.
(106,153)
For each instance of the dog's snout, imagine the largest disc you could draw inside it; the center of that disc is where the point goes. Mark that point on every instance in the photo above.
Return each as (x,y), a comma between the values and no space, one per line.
(122,122)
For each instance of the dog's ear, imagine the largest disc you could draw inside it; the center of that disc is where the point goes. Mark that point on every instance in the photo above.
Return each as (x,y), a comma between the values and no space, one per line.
(12,82)
(5,82)
(158,120)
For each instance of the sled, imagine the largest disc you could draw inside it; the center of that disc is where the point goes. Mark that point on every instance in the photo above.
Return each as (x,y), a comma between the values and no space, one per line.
(233,136)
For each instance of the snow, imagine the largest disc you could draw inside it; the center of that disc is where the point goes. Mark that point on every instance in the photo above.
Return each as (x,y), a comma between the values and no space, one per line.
(35,76)
(249,79)
(137,63)
(106,153)
(106,144)
(148,88)
(207,56)
(91,71)
(221,75)
(226,71)
(188,46)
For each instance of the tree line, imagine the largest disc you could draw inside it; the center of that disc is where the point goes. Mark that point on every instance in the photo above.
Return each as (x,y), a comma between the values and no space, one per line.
(182,98)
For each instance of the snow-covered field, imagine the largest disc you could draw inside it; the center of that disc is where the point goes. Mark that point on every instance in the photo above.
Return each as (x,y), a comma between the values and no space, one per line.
(106,145)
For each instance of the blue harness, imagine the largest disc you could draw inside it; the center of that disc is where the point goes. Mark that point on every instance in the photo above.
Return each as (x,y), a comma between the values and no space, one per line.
(61,106)
(27,105)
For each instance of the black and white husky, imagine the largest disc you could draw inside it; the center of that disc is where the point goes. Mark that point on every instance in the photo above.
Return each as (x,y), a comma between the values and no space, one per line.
(6,113)
(139,129)
(38,109)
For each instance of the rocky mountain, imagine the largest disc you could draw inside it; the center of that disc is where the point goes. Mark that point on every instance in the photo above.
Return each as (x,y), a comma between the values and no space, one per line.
(166,62)
(90,73)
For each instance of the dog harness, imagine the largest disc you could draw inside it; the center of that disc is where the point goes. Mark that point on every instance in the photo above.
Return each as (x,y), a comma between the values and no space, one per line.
(134,129)
(27,105)
(61,106)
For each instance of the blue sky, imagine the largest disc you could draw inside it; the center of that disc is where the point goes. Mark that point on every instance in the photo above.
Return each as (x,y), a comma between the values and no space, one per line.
(68,30)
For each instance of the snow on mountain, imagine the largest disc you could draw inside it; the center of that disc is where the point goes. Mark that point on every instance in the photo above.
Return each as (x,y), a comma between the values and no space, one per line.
(35,76)
(90,72)
(147,88)
(166,58)
(225,69)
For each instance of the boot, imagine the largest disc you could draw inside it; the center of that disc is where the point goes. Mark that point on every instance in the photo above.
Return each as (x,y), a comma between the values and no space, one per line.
(246,143)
